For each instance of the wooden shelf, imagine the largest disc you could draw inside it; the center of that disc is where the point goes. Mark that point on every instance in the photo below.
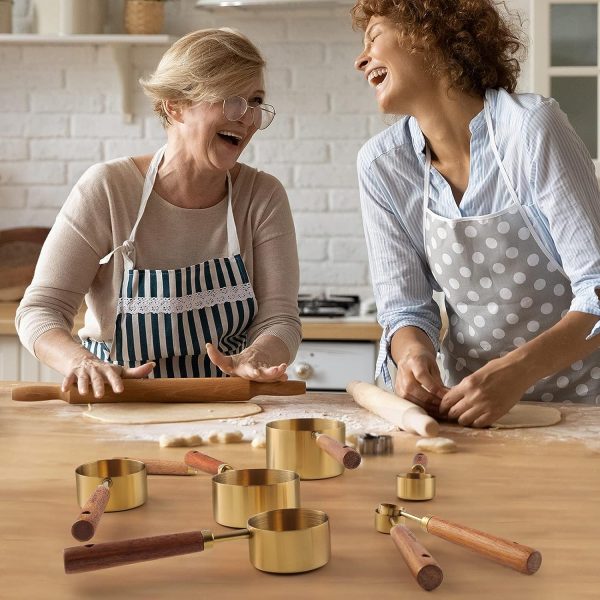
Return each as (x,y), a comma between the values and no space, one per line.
(120,44)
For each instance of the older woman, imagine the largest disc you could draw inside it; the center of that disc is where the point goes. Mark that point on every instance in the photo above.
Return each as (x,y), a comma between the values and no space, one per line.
(486,195)
(187,259)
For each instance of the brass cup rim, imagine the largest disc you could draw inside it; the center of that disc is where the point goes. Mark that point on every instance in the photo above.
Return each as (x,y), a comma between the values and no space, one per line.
(415,475)
(310,424)
(255,477)
(112,468)
(287,519)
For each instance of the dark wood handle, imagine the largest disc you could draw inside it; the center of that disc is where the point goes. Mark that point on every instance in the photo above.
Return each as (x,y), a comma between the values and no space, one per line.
(349,457)
(420,459)
(84,528)
(165,467)
(203,462)
(114,554)
(513,555)
(422,565)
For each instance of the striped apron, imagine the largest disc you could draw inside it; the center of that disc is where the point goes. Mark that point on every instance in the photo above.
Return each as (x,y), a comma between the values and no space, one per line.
(169,315)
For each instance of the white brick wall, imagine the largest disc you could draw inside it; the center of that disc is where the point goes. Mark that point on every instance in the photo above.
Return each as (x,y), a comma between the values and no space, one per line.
(60,113)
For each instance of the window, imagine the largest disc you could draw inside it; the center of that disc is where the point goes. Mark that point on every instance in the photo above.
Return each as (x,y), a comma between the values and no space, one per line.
(565,61)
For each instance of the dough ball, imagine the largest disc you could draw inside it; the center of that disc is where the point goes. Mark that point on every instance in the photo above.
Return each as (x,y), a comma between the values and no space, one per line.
(230,437)
(167,441)
(259,441)
(213,436)
(439,445)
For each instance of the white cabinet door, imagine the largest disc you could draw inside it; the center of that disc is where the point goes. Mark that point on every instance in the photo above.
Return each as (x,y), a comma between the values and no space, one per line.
(9,358)
(331,365)
(31,369)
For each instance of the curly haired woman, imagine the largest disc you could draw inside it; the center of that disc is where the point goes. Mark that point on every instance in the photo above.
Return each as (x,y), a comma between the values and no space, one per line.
(486,195)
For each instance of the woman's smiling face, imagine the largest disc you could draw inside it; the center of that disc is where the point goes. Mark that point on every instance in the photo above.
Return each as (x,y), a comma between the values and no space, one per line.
(397,73)
(214,140)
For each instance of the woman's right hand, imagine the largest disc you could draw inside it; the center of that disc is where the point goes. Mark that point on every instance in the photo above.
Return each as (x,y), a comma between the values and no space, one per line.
(418,377)
(89,370)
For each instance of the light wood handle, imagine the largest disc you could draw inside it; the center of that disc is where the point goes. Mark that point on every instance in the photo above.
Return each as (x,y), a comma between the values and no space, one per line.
(513,555)
(394,409)
(114,554)
(166,467)
(207,389)
(202,462)
(421,564)
(35,392)
(349,457)
(85,527)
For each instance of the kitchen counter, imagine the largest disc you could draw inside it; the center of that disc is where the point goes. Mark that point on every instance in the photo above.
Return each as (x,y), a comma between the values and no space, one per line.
(353,328)
(539,487)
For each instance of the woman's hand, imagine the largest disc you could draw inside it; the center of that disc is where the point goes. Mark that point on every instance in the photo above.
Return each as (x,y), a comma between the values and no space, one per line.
(90,370)
(483,397)
(252,363)
(418,380)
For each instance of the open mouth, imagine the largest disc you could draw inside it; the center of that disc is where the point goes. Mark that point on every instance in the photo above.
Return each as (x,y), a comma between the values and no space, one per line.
(377,76)
(231,138)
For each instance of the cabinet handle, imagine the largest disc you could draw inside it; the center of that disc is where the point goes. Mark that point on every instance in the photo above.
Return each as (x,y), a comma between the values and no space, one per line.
(303,370)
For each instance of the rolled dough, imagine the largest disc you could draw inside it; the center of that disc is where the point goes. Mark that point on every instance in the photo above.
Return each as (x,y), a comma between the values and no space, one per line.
(528,415)
(156,412)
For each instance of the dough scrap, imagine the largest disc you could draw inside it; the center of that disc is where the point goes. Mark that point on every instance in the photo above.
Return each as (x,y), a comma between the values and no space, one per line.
(439,445)
(230,437)
(213,436)
(168,412)
(528,415)
(167,441)
(259,441)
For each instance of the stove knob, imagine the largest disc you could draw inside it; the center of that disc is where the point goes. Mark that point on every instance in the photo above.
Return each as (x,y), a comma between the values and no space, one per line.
(303,370)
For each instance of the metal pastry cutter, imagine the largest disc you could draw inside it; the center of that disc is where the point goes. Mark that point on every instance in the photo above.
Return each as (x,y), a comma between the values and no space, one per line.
(379,445)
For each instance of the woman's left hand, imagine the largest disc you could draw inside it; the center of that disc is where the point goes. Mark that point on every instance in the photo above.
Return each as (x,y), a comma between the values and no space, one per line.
(486,395)
(251,363)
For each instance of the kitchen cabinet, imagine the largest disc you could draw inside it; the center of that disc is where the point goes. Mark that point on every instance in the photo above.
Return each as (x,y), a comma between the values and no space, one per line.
(120,45)
(18,364)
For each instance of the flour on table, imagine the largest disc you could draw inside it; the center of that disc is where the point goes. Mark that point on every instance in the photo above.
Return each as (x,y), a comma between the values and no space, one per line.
(259,441)
(168,412)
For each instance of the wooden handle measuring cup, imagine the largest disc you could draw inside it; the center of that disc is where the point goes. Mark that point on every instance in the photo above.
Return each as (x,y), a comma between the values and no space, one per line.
(84,528)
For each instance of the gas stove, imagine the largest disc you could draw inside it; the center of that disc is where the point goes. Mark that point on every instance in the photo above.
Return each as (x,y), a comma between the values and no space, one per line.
(329,306)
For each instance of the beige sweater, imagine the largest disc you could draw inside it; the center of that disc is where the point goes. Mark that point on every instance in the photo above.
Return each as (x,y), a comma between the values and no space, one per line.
(99,215)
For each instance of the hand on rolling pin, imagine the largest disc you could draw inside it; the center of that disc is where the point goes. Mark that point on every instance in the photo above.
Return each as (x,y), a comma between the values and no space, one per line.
(418,377)
(481,398)
(252,363)
(89,370)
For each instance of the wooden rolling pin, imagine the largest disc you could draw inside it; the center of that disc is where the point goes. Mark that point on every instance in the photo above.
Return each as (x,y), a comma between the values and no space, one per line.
(207,389)
(398,411)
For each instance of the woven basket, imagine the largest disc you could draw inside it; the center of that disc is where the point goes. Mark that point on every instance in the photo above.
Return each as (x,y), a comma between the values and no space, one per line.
(144,16)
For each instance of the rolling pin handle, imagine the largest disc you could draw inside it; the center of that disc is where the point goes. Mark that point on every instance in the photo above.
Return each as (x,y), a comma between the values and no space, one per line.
(421,564)
(511,554)
(85,527)
(203,462)
(345,455)
(92,557)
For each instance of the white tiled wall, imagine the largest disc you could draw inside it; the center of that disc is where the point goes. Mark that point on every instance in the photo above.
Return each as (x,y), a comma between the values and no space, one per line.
(59,113)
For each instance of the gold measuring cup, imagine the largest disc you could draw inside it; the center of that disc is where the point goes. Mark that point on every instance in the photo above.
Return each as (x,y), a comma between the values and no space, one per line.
(238,494)
(287,540)
(416,484)
(112,485)
(511,554)
(314,448)
(423,567)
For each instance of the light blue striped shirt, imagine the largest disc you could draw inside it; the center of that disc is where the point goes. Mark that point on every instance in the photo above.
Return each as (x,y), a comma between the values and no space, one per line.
(551,172)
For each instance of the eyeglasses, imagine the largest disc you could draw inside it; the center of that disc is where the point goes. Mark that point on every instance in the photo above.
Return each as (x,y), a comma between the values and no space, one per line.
(235,107)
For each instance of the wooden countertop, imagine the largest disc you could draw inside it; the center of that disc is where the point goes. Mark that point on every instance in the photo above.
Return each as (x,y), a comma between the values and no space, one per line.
(542,494)
(312,329)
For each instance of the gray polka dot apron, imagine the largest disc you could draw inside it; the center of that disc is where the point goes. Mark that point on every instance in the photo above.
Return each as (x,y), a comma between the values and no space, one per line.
(502,288)
(169,315)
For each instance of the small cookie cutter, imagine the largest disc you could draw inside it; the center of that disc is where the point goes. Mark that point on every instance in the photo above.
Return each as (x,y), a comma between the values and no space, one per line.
(417,484)
(375,444)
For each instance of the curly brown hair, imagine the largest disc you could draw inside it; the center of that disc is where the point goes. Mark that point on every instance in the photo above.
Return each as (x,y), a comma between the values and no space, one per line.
(467,41)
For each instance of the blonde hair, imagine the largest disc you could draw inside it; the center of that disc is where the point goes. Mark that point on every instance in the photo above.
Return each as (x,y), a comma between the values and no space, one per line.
(206,65)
